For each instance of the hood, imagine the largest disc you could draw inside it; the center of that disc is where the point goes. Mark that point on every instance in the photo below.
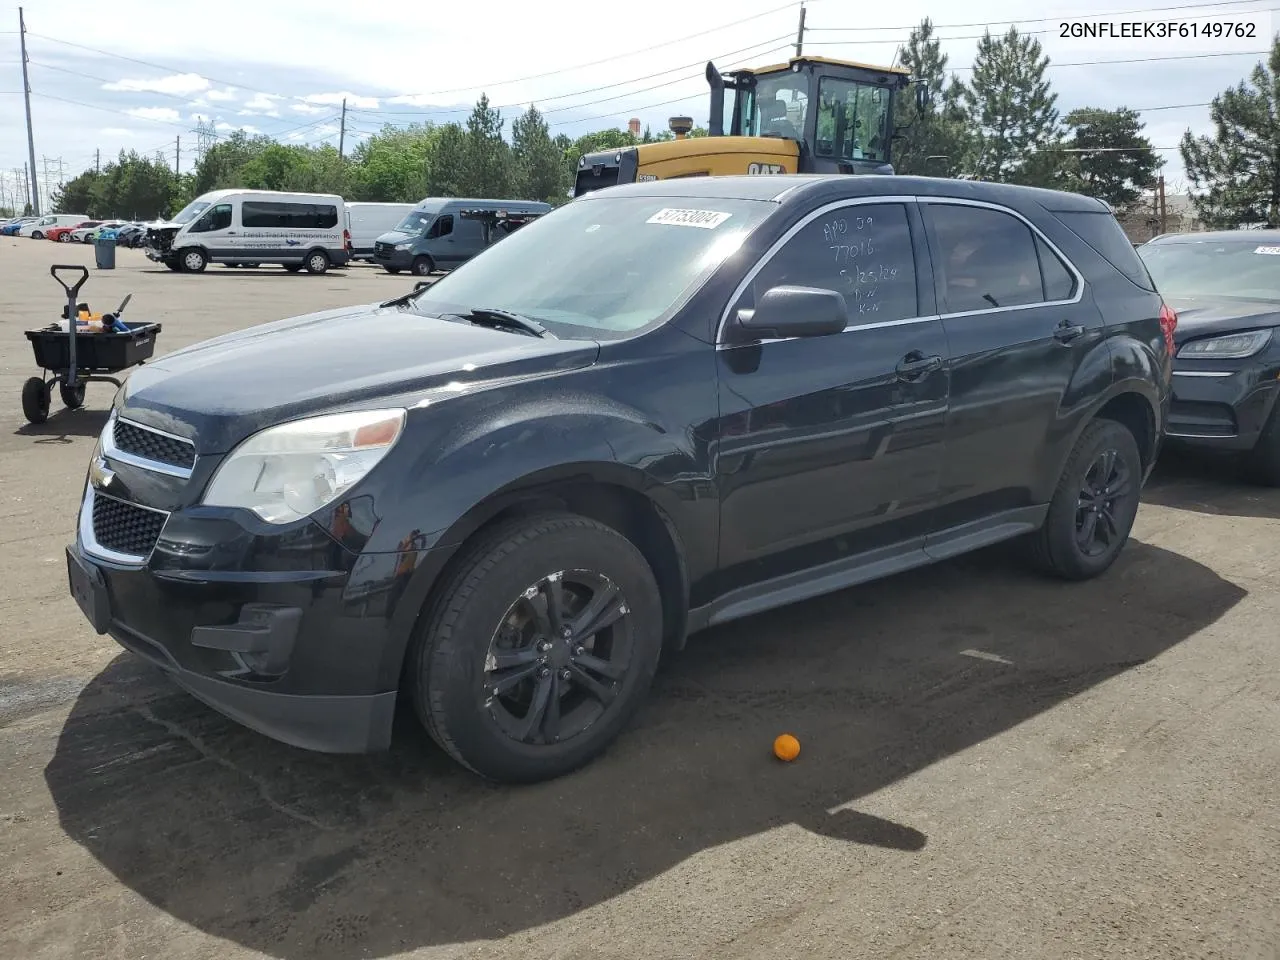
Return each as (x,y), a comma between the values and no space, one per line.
(220,391)
(397,236)
(1205,316)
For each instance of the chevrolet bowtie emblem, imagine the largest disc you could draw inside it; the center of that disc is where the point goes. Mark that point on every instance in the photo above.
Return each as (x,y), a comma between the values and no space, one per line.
(99,474)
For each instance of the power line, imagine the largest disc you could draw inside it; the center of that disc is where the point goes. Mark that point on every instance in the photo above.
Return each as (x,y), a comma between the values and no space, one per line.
(1185,56)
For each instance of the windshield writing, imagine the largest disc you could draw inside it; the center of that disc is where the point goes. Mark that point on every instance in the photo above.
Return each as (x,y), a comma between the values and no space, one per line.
(1242,269)
(415,222)
(601,268)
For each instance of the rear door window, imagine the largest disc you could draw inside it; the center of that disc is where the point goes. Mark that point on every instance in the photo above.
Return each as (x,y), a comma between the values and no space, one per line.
(1104,235)
(985,259)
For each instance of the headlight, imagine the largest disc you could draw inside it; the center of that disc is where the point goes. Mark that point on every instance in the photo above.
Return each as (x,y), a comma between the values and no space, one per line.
(288,472)
(403,246)
(1231,347)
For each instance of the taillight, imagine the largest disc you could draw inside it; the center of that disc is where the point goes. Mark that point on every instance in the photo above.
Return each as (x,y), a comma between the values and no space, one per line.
(346,240)
(1168,324)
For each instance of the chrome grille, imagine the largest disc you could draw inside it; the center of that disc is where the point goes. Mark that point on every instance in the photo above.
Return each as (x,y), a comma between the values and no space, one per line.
(125,528)
(147,444)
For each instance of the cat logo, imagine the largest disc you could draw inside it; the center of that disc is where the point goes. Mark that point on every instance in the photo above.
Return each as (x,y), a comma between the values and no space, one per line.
(765,168)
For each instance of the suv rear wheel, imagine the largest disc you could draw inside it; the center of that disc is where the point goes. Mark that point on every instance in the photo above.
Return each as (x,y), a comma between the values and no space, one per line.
(1094,506)
(540,648)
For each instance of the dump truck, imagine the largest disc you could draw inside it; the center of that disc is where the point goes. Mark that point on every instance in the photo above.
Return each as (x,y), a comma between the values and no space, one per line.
(808,115)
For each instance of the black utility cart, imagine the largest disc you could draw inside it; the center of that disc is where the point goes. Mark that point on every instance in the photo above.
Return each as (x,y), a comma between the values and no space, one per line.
(71,359)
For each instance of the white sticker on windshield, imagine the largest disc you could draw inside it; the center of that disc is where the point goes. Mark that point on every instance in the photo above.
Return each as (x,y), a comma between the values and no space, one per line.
(706,219)
(1273,251)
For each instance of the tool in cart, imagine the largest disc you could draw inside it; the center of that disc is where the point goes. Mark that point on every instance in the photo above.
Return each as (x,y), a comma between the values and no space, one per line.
(90,348)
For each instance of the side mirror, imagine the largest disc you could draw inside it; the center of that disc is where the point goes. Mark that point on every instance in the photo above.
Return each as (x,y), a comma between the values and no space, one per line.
(790,311)
(922,97)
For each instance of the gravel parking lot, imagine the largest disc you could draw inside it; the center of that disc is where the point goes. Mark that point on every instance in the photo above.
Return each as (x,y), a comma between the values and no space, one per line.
(993,765)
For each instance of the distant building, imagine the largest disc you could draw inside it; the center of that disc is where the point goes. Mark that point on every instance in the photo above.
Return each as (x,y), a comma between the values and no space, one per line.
(1142,221)
(634,126)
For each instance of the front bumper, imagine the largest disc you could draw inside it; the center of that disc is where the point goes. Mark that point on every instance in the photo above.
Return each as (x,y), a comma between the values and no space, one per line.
(1222,407)
(298,648)
(396,259)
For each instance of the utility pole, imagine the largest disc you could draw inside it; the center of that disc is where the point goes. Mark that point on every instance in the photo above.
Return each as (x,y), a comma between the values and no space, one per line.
(26,95)
(177,156)
(800,32)
(342,130)
(1163,212)
(97,161)
(27,191)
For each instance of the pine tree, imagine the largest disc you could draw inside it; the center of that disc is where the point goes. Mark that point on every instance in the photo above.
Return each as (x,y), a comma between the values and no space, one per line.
(488,172)
(538,167)
(934,141)
(1236,172)
(1113,161)
(1010,108)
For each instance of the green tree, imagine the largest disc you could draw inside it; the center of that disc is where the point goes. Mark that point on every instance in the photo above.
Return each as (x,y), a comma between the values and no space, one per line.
(78,195)
(391,166)
(933,141)
(1236,171)
(223,162)
(447,167)
(488,169)
(1112,159)
(538,167)
(1010,108)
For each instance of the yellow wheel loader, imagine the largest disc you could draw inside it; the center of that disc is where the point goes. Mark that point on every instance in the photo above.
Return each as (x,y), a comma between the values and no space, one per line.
(808,115)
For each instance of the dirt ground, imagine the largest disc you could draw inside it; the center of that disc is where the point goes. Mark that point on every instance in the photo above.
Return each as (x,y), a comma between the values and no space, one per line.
(993,765)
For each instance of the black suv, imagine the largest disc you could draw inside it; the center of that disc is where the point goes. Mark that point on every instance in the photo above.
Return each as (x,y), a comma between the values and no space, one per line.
(661,407)
(1225,287)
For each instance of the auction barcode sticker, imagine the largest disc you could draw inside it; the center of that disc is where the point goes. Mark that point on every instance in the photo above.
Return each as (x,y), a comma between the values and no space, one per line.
(1273,251)
(706,219)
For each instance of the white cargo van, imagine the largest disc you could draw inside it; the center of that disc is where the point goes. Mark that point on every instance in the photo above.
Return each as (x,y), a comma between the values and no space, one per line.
(366,222)
(36,229)
(296,230)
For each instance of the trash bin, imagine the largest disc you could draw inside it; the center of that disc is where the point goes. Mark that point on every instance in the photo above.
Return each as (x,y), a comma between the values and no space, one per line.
(104,250)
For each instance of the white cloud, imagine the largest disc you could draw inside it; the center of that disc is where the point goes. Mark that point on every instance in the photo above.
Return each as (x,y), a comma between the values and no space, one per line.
(178,84)
(262,103)
(167,114)
(221,96)
(116,132)
(223,127)
(335,100)
(307,108)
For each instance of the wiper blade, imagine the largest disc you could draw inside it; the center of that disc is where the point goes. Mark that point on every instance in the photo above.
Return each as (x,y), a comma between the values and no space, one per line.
(408,297)
(493,317)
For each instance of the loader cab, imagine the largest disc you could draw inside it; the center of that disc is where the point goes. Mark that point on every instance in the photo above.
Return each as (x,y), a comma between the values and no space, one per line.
(841,114)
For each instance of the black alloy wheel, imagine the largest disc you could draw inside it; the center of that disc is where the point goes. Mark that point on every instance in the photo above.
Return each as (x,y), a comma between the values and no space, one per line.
(1106,482)
(556,662)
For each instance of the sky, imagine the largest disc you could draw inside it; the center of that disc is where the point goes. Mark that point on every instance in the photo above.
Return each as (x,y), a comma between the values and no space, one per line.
(140,75)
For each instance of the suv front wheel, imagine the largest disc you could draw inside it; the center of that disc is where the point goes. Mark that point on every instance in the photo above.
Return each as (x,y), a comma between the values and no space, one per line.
(540,648)
(1094,506)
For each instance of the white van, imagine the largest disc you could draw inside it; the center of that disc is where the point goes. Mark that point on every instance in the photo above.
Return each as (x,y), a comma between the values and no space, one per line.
(366,222)
(36,229)
(296,230)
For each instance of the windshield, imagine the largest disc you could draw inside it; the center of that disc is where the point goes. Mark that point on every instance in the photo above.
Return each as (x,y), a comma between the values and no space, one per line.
(191,211)
(416,221)
(777,106)
(1246,269)
(853,121)
(601,268)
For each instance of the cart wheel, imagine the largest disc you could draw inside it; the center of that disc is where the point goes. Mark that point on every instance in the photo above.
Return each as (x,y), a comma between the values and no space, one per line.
(35,400)
(73,399)
(194,260)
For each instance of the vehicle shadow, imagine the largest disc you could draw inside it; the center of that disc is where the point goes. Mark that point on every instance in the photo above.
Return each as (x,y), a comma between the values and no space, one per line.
(64,424)
(1215,486)
(309,857)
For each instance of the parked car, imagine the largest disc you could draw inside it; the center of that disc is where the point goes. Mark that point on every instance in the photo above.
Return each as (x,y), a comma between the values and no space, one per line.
(132,234)
(366,222)
(12,227)
(63,234)
(37,228)
(87,234)
(434,236)
(1225,286)
(249,227)
(660,407)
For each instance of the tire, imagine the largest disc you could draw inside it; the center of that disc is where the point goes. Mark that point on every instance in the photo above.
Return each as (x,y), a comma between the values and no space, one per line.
(173,265)
(1105,457)
(1264,459)
(35,400)
(448,664)
(72,399)
(317,262)
(64,238)
(193,260)
(293,267)
(37,234)
(391,269)
(422,266)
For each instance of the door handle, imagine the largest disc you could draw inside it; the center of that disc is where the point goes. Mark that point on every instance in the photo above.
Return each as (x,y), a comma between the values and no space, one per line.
(914,366)
(1066,331)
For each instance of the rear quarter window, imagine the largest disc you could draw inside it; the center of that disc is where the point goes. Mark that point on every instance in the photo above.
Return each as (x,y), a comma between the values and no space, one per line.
(1101,232)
